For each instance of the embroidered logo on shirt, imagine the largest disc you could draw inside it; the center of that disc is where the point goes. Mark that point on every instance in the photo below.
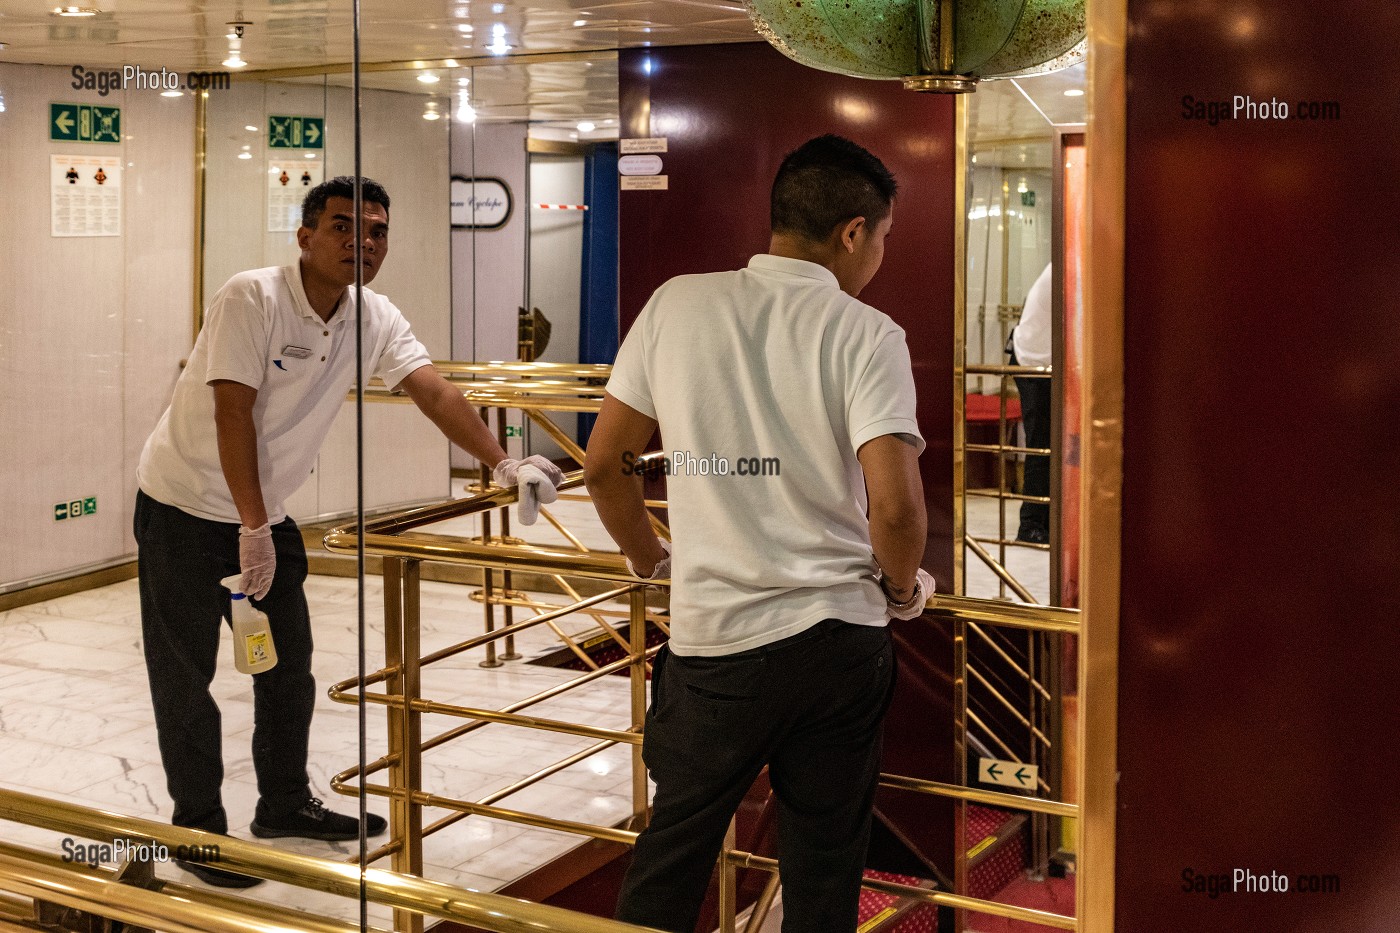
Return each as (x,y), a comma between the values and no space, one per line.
(278,364)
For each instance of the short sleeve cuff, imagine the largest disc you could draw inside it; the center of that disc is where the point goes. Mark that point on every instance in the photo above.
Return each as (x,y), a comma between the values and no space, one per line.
(887,426)
(631,398)
(251,380)
(392,377)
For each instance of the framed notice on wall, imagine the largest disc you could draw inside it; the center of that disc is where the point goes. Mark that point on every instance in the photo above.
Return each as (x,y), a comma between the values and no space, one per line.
(85,195)
(480,203)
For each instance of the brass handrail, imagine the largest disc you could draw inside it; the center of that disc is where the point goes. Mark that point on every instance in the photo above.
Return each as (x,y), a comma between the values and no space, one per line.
(975,904)
(494,912)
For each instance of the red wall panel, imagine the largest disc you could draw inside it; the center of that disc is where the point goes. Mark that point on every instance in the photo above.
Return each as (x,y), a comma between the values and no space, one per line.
(1261,546)
(730,113)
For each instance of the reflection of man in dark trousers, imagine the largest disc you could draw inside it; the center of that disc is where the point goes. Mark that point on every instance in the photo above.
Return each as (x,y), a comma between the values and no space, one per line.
(1030,346)
(266,380)
(784,582)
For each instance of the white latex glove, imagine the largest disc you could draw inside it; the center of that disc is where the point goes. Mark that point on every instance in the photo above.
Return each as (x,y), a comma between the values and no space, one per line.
(257,559)
(923,589)
(536,480)
(662,570)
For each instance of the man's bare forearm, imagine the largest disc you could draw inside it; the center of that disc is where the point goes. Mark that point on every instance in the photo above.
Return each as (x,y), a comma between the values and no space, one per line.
(622,507)
(898,520)
(238,456)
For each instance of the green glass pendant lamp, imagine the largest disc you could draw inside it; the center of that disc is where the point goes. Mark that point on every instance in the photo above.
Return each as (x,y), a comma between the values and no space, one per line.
(931,45)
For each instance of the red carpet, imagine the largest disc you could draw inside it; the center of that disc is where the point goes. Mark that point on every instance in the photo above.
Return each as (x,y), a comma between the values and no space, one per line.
(1053,894)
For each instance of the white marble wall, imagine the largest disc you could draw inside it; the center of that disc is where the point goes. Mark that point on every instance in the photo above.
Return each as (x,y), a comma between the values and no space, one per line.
(93,329)
(406,458)
(90,327)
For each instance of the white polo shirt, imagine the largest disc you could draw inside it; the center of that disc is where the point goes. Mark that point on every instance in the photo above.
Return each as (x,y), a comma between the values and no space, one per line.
(260,331)
(772,361)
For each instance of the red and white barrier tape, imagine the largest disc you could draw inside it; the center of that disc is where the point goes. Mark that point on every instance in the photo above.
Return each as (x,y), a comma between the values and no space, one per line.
(562,207)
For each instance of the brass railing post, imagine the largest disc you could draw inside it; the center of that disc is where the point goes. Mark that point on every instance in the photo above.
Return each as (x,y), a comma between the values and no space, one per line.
(637,637)
(509,653)
(487,574)
(728,882)
(402,650)
(960,767)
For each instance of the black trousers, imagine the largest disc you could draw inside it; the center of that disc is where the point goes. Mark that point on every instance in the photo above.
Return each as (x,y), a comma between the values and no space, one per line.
(1035,416)
(181,560)
(810,707)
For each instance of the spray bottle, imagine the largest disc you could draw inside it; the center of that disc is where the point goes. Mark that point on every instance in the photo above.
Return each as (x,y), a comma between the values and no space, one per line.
(253,650)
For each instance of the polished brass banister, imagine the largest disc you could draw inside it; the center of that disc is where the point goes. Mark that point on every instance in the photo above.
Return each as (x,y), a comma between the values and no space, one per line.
(494,912)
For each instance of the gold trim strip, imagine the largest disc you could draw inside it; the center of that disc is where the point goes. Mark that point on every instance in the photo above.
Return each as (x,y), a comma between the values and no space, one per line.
(337,68)
(201,152)
(960,129)
(977,795)
(1101,474)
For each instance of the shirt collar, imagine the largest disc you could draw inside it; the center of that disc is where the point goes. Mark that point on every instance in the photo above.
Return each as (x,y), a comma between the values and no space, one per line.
(799,267)
(293,273)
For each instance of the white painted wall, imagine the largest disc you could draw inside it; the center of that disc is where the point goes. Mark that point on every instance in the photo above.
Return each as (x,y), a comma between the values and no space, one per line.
(488,266)
(556,270)
(92,330)
(1029,250)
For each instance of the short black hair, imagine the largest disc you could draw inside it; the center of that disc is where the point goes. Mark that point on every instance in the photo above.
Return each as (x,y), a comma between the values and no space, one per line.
(341,186)
(826,182)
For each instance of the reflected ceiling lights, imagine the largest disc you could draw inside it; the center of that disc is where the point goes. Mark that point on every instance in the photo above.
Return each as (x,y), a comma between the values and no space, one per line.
(587,126)
(428,77)
(75,11)
(1074,92)
(498,44)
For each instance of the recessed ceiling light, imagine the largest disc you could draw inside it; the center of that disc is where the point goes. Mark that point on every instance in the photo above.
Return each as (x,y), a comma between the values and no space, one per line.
(250,128)
(75,11)
(245,155)
(1074,92)
(234,60)
(465,28)
(431,113)
(498,8)
(587,126)
(310,155)
(428,77)
(580,22)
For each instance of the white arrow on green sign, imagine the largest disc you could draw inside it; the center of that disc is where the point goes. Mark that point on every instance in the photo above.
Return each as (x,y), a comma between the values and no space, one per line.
(85,123)
(285,132)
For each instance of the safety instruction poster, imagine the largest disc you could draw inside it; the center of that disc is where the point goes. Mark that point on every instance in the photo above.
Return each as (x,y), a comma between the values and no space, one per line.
(86,195)
(288,181)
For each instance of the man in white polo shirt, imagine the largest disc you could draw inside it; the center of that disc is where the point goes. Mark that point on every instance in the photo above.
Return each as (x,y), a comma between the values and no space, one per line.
(798,525)
(267,377)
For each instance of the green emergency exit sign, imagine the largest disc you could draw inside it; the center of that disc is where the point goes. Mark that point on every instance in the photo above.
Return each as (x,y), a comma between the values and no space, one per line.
(75,508)
(296,132)
(85,123)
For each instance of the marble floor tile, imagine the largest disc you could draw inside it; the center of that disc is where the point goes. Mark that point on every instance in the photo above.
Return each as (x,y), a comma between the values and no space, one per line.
(75,724)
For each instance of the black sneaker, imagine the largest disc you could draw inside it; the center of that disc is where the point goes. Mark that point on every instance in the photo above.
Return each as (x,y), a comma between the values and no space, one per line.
(314,821)
(218,877)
